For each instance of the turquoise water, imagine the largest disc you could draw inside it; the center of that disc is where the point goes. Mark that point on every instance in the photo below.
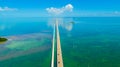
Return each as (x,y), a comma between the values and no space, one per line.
(16,26)
(92,42)
(29,42)
(85,41)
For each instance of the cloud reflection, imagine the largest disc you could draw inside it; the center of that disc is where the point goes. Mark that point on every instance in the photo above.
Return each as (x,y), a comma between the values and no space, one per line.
(66,23)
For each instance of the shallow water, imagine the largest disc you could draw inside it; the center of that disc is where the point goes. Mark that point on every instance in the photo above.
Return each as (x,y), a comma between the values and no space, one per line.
(29,42)
(92,42)
(85,41)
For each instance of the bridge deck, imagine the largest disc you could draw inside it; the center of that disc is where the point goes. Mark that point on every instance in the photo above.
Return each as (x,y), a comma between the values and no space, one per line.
(53,46)
(59,52)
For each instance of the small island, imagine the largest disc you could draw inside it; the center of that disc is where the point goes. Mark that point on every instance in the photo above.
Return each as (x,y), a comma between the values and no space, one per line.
(72,22)
(3,40)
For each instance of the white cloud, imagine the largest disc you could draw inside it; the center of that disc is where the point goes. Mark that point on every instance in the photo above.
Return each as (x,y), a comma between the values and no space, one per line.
(7,9)
(57,11)
(64,23)
(69,7)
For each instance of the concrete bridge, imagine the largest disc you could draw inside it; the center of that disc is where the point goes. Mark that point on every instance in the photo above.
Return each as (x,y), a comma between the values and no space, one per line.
(56,37)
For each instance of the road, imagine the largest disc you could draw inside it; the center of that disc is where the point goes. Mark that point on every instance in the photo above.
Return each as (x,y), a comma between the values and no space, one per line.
(59,51)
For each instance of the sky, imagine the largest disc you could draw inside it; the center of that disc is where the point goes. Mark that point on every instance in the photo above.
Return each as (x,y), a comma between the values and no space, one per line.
(43,8)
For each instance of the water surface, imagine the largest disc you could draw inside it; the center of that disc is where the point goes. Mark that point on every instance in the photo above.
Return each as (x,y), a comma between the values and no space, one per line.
(85,41)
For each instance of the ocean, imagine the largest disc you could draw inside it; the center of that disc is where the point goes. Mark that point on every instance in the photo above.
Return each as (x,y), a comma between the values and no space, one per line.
(85,41)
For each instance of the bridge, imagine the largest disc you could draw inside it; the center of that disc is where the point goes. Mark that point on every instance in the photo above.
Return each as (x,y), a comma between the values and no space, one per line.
(59,60)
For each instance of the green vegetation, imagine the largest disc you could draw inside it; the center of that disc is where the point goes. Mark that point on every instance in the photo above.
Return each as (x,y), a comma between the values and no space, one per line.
(72,22)
(2,40)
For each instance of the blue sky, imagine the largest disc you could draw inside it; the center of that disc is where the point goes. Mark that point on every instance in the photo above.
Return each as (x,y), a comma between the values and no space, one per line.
(37,8)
